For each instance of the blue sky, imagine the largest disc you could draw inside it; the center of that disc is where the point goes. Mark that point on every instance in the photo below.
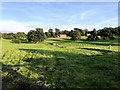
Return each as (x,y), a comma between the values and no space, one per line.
(22,16)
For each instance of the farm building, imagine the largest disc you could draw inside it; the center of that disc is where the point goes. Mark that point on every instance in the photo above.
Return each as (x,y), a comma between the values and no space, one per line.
(62,36)
(88,34)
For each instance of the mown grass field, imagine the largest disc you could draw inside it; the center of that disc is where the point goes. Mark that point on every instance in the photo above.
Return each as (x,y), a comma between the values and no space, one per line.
(80,64)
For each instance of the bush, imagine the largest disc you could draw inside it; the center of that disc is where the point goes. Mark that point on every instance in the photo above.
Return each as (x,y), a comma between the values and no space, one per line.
(112,38)
(20,41)
(90,38)
(76,35)
(36,35)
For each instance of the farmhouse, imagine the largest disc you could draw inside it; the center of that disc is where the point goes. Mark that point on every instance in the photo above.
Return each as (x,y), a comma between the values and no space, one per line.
(88,34)
(62,36)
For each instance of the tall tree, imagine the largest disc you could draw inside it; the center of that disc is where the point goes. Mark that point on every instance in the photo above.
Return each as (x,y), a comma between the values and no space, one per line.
(66,32)
(57,31)
(31,36)
(76,35)
(71,33)
(82,32)
(21,35)
(86,31)
(48,35)
(10,36)
(93,35)
(52,34)
(36,35)
(40,36)
(106,33)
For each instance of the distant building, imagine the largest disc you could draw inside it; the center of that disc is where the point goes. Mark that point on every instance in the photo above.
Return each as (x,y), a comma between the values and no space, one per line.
(88,34)
(62,36)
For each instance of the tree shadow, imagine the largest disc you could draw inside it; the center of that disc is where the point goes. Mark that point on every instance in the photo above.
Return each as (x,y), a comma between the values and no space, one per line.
(83,41)
(15,80)
(102,51)
(61,40)
(69,70)
(99,42)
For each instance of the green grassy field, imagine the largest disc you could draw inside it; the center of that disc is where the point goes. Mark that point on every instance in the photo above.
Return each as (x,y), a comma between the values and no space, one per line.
(80,64)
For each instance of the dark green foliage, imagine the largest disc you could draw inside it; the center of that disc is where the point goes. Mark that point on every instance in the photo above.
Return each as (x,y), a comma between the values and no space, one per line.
(8,35)
(90,38)
(76,35)
(31,36)
(93,36)
(57,32)
(71,33)
(4,35)
(106,33)
(20,40)
(40,36)
(118,28)
(86,32)
(36,35)
(0,35)
(48,34)
(65,32)
(20,37)
(52,34)
(82,32)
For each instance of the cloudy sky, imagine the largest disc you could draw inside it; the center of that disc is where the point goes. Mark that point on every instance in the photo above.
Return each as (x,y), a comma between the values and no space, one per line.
(24,16)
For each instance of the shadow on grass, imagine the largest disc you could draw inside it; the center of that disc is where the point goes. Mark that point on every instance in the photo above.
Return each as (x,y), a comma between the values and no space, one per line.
(14,80)
(101,42)
(102,51)
(84,41)
(61,40)
(64,70)
(97,43)
(68,70)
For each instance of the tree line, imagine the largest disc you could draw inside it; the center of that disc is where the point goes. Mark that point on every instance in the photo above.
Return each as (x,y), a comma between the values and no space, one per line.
(38,35)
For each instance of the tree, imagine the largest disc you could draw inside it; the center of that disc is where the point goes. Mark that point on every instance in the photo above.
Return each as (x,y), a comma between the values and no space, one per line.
(57,32)
(71,33)
(86,31)
(76,35)
(93,36)
(48,35)
(31,36)
(39,35)
(21,35)
(36,35)
(52,34)
(106,33)
(4,35)
(82,32)
(66,32)
(9,35)
(119,30)
(115,31)
(0,35)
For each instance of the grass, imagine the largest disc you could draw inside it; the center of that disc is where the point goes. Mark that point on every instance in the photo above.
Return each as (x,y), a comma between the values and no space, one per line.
(69,64)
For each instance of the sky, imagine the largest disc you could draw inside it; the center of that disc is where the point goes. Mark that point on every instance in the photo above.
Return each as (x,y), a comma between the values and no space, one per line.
(25,16)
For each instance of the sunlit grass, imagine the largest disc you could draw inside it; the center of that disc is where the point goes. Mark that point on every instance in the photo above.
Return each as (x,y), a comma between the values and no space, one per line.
(69,64)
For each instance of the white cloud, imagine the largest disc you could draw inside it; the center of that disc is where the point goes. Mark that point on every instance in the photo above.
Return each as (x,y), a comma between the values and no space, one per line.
(85,14)
(75,18)
(13,26)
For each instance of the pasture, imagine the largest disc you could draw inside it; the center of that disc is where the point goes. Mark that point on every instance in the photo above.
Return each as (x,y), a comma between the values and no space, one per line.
(67,64)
